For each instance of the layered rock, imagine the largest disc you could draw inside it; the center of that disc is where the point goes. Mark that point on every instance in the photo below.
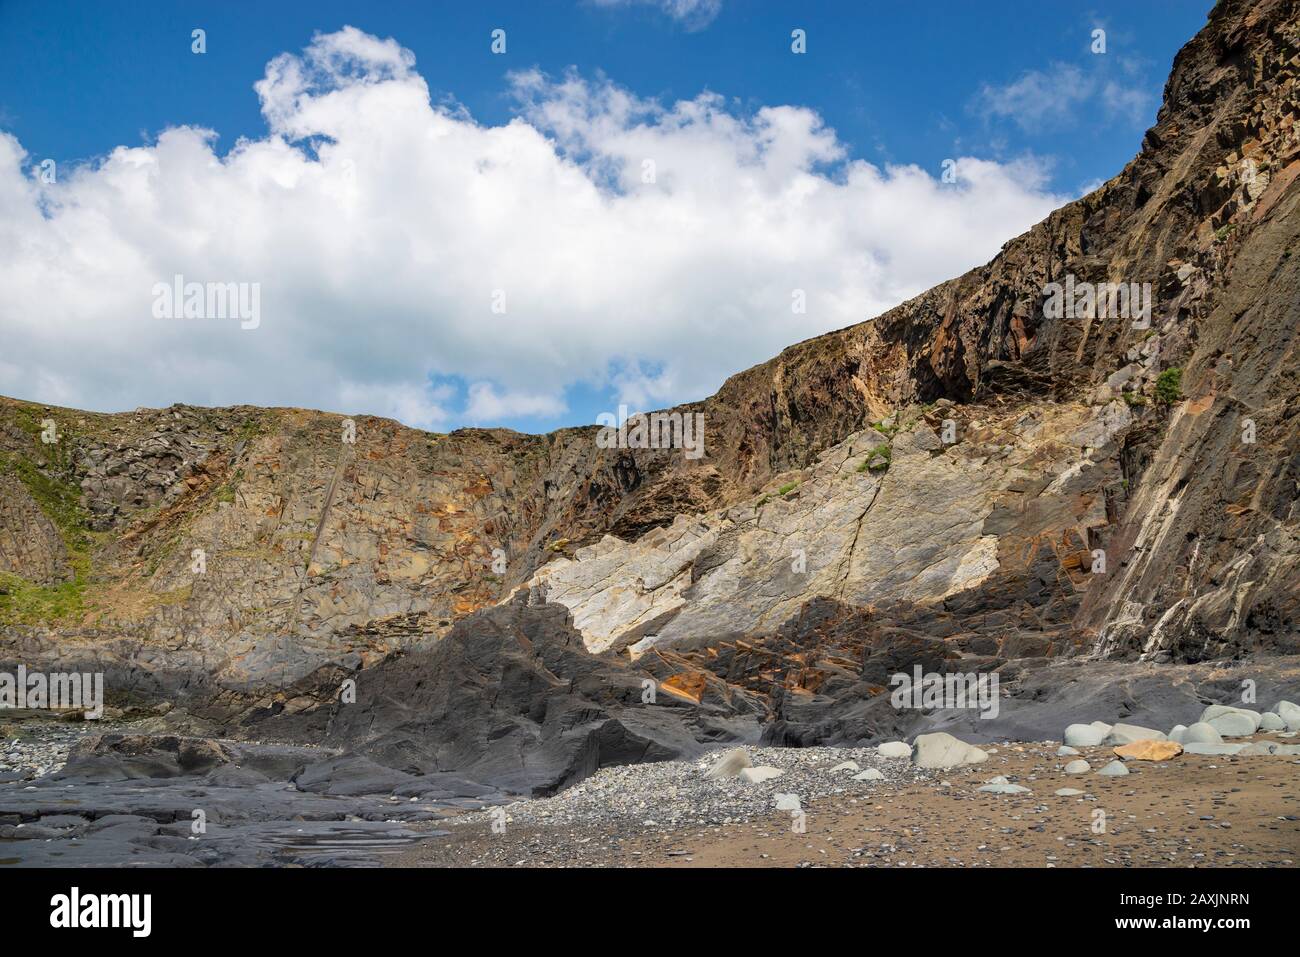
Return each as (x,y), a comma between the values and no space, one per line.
(967,480)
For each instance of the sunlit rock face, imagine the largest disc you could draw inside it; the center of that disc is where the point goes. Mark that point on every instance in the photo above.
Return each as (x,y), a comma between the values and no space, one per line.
(970,477)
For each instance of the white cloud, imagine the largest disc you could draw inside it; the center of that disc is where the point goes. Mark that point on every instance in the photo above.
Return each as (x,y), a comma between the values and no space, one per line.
(381,226)
(487,404)
(693,14)
(1064,94)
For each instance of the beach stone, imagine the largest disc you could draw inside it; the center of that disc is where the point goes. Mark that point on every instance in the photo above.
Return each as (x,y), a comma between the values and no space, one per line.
(1234,724)
(729,765)
(1204,747)
(942,750)
(1065,751)
(1149,750)
(1078,767)
(760,774)
(1114,769)
(894,749)
(1175,731)
(847,766)
(870,774)
(1084,736)
(1288,712)
(1005,789)
(1128,733)
(1200,732)
(788,802)
(1257,749)
(1068,792)
(1215,712)
(1268,721)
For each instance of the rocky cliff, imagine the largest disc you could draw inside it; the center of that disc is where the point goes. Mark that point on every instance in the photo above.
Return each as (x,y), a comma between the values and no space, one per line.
(984,475)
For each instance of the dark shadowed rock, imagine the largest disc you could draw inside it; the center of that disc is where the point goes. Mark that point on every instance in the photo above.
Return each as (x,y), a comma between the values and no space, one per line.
(511,697)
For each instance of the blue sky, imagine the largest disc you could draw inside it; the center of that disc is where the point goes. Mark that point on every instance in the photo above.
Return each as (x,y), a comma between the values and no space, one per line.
(1013,84)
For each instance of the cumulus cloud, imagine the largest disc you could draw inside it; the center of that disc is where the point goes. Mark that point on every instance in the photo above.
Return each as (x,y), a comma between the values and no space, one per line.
(413,262)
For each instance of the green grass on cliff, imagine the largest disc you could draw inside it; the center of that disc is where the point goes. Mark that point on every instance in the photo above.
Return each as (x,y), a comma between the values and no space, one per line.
(25,602)
(877,460)
(22,602)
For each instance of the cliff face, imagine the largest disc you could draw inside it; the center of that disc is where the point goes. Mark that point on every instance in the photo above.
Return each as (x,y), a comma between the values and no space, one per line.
(973,475)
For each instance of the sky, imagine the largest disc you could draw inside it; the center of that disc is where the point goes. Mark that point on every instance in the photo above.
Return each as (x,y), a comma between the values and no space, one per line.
(521,214)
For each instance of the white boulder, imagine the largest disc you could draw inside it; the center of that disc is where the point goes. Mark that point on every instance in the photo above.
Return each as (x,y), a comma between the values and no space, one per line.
(942,750)
(729,765)
(1268,721)
(1290,713)
(1005,789)
(1203,747)
(1084,735)
(1231,722)
(759,774)
(1198,733)
(1128,733)
(894,749)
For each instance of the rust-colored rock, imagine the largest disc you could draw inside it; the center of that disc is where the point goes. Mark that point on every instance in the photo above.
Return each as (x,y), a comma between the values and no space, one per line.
(1149,750)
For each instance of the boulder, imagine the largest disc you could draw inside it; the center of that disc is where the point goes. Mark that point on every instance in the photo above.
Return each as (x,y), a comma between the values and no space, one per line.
(760,774)
(1200,732)
(1230,721)
(1128,733)
(942,750)
(1290,713)
(1202,747)
(1114,769)
(1235,724)
(1083,736)
(1257,749)
(1078,767)
(1149,750)
(1268,721)
(894,749)
(729,765)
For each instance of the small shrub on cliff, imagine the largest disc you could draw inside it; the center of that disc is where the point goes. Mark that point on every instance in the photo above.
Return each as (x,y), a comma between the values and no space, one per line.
(1169,387)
